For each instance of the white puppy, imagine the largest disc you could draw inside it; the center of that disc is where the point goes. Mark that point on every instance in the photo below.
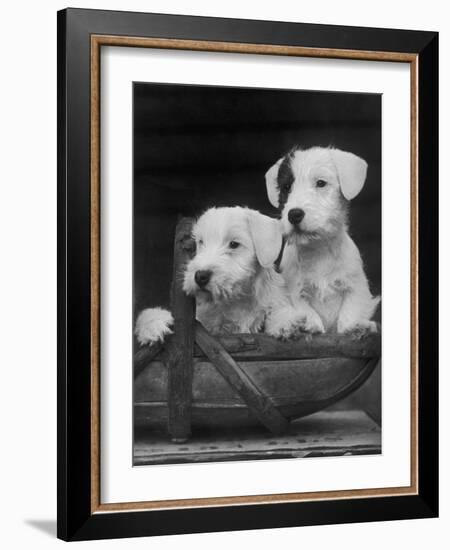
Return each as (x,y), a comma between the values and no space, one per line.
(321,264)
(232,278)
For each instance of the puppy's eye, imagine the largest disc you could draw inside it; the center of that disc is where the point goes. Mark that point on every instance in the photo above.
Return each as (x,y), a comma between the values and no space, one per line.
(200,242)
(234,244)
(321,183)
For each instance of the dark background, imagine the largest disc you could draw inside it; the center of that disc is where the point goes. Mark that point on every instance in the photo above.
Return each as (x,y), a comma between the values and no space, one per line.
(199,146)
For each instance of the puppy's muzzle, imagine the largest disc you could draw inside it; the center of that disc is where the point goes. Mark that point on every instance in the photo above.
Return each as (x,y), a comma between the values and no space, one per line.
(202,277)
(295,216)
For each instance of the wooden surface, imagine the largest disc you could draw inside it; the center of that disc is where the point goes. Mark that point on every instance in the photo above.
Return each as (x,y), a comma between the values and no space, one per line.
(258,347)
(297,387)
(180,348)
(258,402)
(326,433)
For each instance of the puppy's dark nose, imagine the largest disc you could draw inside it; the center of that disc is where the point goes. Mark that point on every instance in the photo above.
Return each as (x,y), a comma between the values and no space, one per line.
(296,215)
(202,277)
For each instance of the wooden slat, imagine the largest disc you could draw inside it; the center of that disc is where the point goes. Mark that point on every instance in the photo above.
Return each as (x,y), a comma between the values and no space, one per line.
(288,381)
(260,405)
(262,346)
(143,357)
(180,347)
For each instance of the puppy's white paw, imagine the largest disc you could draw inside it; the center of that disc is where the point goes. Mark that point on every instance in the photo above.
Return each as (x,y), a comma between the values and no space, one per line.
(357,329)
(280,324)
(313,324)
(290,323)
(153,325)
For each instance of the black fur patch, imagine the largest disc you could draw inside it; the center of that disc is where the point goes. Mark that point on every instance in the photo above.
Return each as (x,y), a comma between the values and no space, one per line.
(285,179)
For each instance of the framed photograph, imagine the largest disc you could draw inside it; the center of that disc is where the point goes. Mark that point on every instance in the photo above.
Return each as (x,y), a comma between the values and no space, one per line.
(247,254)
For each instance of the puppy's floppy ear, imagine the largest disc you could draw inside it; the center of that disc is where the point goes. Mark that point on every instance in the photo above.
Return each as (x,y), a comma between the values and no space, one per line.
(266,236)
(352,171)
(272,184)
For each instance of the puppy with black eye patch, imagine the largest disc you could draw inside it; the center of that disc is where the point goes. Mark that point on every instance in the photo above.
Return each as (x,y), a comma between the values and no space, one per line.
(233,279)
(321,264)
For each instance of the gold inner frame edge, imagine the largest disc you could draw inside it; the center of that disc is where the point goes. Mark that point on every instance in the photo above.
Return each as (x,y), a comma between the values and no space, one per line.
(97,41)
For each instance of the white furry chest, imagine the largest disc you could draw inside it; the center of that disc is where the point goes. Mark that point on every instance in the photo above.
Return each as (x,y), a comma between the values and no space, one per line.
(325,299)
(220,318)
(321,282)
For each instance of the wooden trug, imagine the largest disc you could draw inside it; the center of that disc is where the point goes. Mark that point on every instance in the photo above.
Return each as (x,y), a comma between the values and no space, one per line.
(319,370)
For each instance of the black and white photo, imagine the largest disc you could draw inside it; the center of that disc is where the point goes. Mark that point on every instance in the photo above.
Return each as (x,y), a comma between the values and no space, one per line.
(258,212)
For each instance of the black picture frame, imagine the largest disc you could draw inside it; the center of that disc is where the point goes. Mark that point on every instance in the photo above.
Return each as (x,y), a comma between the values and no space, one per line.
(76,518)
